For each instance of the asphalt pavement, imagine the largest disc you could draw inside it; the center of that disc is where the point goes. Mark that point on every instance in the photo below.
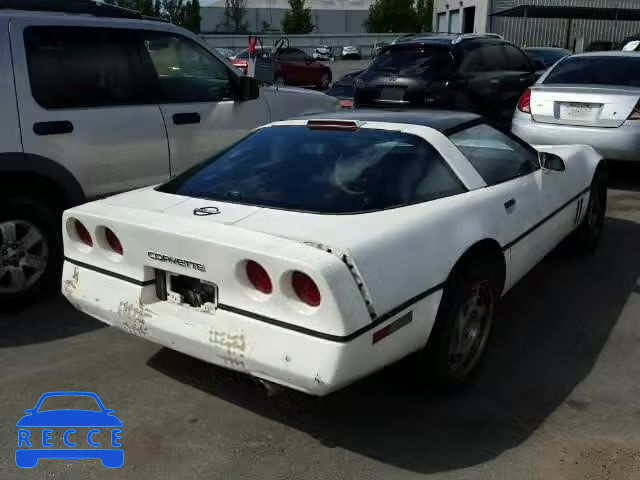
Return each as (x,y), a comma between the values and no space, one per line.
(558,397)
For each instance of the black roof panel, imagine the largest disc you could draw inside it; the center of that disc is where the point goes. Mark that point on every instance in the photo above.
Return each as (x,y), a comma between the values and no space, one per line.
(440,120)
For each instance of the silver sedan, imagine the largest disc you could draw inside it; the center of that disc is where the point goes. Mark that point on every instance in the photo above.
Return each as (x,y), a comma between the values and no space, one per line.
(590,99)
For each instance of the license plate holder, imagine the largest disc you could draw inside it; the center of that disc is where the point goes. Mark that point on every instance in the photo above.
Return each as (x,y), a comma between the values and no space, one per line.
(579,111)
(395,94)
(192,292)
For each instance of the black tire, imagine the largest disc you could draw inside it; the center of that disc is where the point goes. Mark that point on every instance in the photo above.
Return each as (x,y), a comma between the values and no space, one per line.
(473,291)
(325,81)
(28,215)
(586,238)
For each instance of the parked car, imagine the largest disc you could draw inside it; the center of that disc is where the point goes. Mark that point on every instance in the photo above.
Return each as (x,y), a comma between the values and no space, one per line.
(291,67)
(632,46)
(83,117)
(544,57)
(405,233)
(592,99)
(322,53)
(225,52)
(478,73)
(343,88)
(377,47)
(241,59)
(351,52)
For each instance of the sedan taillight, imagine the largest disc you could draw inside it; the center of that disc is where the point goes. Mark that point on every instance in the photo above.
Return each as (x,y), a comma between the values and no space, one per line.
(258,277)
(113,241)
(306,289)
(524,104)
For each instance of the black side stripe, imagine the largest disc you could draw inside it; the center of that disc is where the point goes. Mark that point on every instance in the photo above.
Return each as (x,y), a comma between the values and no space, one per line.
(545,219)
(135,281)
(328,336)
(278,323)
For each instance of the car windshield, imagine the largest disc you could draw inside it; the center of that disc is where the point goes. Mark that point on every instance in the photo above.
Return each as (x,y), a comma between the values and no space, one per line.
(66,402)
(604,70)
(322,171)
(408,60)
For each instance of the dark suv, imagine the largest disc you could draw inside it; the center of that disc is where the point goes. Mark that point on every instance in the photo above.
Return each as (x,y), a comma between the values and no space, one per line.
(481,73)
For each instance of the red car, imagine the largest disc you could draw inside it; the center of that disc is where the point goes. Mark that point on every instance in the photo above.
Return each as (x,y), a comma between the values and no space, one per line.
(292,67)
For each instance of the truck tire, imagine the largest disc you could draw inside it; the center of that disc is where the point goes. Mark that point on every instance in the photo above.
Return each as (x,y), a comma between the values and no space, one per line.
(30,251)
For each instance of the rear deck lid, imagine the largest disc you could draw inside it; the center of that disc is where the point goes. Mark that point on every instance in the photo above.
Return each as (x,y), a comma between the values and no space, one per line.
(593,105)
(588,90)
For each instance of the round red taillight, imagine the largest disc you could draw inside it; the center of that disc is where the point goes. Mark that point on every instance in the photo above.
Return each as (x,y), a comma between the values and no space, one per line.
(83,233)
(258,277)
(113,241)
(305,289)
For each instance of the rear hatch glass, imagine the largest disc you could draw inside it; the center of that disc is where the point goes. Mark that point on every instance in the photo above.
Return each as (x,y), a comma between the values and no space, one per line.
(296,168)
(411,60)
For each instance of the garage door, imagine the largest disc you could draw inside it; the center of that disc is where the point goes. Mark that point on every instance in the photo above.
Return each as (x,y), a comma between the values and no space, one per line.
(442,22)
(454,21)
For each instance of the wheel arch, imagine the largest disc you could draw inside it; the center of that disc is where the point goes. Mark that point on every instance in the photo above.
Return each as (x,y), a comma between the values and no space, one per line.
(487,248)
(39,176)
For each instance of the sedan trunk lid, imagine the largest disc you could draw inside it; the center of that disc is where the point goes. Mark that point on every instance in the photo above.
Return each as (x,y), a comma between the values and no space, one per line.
(587,105)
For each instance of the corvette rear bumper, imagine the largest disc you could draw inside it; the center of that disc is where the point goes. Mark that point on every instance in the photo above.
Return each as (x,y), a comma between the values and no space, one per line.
(300,360)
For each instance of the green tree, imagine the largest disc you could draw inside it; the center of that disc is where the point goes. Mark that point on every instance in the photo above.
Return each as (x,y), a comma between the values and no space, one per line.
(424,11)
(235,12)
(392,16)
(298,19)
(192,16)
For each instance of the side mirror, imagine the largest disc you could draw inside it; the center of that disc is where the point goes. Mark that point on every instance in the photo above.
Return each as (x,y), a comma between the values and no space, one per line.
(249,89)
(551,161)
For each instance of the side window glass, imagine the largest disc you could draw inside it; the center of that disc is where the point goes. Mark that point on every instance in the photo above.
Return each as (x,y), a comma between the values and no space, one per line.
(496,58)
(517,60)
(298,56)
(186,71)
(80,79)
(474,61)
(495,156)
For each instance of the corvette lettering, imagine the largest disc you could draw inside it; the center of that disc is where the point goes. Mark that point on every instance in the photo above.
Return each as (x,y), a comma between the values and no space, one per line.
(176,261)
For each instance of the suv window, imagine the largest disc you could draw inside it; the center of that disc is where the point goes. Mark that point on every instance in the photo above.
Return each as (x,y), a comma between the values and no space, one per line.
(516,59)
(496,58)
(496,156)
(483,58)
(93,67)
(343,172)
(606,70)
(186,72)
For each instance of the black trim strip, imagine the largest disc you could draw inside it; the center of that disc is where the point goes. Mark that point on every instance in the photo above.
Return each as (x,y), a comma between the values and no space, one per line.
(278,323)
(548,217)
(328,336)
(135,281)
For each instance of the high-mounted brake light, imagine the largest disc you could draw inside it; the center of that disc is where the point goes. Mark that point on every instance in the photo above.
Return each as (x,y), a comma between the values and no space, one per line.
(524,104)
(83,233)
(113,241)
(348,126)
(635,113)
(305,288)
(258,277)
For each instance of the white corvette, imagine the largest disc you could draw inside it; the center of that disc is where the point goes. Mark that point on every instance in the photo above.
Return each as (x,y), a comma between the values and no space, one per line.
(316,251)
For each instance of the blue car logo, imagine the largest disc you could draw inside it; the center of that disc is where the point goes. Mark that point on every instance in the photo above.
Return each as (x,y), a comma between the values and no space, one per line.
(95,429)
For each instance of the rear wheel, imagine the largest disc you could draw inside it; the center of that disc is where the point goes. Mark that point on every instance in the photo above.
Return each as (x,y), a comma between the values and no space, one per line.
(30,251)
(463,326)
(586,237)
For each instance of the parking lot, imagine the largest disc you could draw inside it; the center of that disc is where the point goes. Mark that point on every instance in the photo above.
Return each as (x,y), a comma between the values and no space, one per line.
(558,397)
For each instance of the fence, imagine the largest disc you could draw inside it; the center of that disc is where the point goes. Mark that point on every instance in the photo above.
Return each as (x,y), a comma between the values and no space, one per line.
(305,42)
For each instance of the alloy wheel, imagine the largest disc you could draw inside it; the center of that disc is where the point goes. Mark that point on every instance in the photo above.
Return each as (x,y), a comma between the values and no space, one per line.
(24,253)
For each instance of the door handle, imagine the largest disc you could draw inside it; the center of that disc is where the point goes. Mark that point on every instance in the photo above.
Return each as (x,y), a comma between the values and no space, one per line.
(53,128)
(186,118)
(509,204)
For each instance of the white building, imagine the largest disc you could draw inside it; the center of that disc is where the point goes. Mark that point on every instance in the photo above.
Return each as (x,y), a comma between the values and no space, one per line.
(461,16)
(329,16)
